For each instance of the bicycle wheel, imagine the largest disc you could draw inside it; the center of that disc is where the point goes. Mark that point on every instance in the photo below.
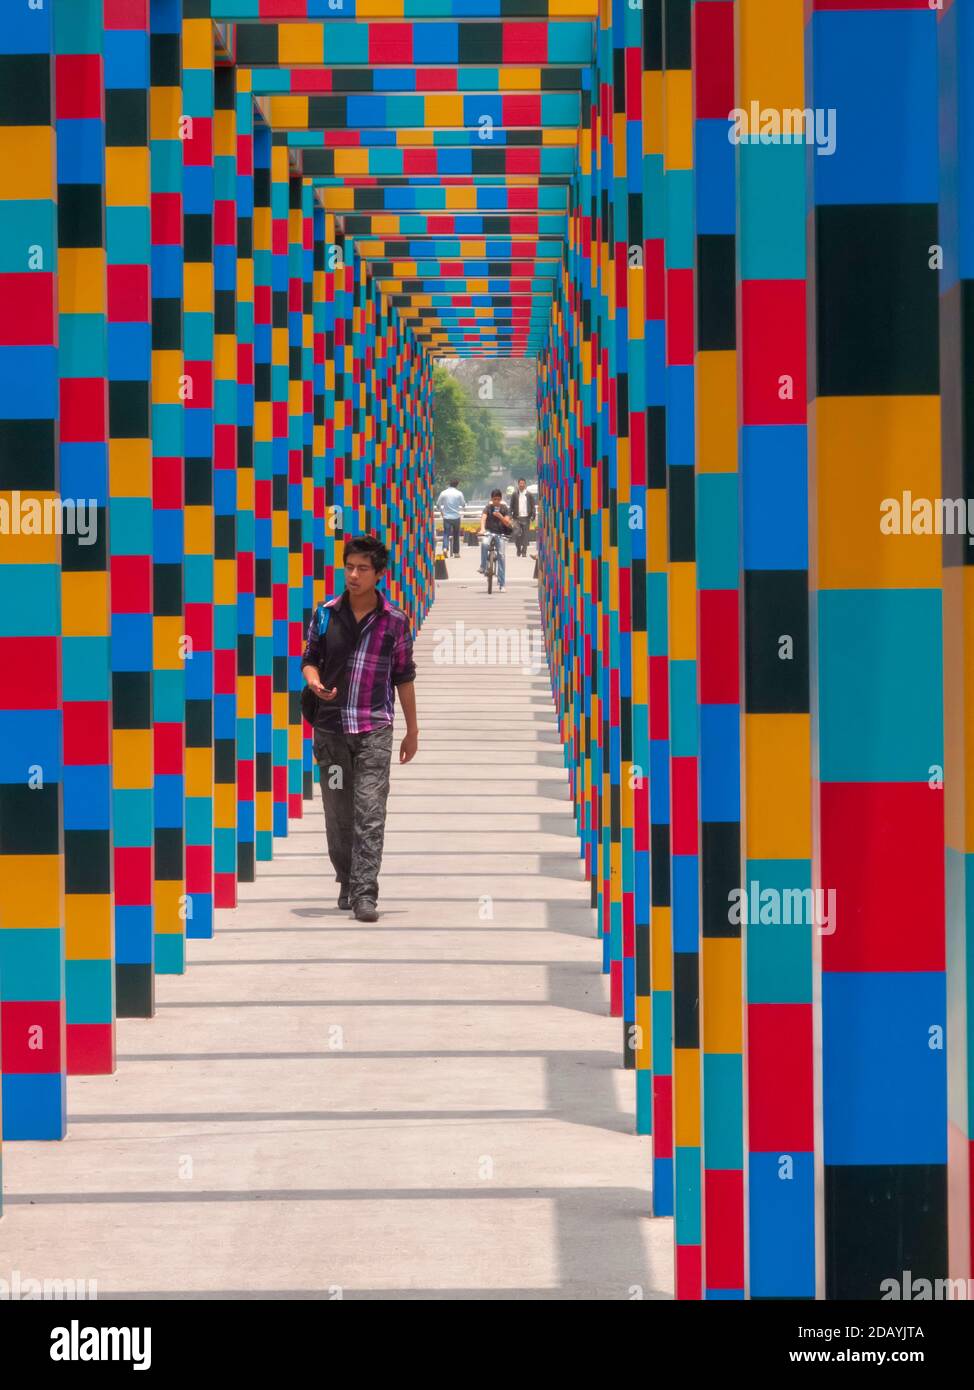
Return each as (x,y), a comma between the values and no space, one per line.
(490,575)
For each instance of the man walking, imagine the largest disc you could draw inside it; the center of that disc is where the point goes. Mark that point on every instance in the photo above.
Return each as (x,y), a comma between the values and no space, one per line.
(495,520)
(359,650)
(522,510)
(451,503)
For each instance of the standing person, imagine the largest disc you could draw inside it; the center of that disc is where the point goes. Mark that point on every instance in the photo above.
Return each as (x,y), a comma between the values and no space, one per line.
(451,503)
(359,649)
(522,510)
(496,520)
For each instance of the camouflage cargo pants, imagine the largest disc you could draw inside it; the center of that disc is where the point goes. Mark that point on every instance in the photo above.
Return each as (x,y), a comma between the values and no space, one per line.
(354,790)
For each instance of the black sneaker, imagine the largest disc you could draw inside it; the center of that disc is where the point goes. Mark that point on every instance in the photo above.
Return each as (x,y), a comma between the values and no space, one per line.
(344,901)
(364,911)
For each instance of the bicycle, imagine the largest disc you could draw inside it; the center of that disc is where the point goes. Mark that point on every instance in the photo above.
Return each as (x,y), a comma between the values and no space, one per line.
(490,563)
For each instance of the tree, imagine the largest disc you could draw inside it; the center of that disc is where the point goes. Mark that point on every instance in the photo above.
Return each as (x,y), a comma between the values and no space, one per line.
(522,457)
(454,445)
(489,442)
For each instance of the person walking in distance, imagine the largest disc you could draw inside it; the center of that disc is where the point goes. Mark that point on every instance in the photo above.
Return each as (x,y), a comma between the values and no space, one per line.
(495,520)
(359,651)
(451,503)
(522,510)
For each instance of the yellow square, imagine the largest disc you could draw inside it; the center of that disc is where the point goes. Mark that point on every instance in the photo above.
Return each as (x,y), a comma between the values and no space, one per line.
(30,509)
(167,643)
(166,895)
(225,805)
(84,603)
(197,43)
(167,373)
(224,582)
(298,44)
(288,113)
(225,133)
(722,993)
(661,948)
(444,110)
(27,161)
(198,532)
(520,79)
(165,110)
(31,890)
(130,467)
(865,452)
(199,772)
(686,1097)
(81,280)
(126,176)
(777,811)
(131,759)
(87,926)
(716,411)
(198,287)
(771,53)
(683,611)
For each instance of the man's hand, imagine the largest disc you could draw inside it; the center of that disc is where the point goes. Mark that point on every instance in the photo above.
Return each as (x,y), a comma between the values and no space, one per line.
(311,676)
(409,746)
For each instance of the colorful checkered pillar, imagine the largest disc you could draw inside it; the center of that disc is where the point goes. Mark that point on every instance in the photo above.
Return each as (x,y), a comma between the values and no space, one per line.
(263,470)
(684,745)
(86,673)
(246,691)
(956,53)
(776,734)
(198,326)
(225,498)
(32,1047)
(280,559)
(168,389)
(308,205)
(129,245)
(657,619)
(877,653)
(319,322)
(294,615)
(716,541)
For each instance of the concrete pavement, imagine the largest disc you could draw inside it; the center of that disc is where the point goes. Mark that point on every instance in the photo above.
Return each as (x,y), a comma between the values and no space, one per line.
(430,1107)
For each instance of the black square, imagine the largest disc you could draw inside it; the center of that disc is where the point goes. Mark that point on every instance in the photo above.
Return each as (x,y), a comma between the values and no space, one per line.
(126,116)
(659,863)
(716,294)
(169,853)
(198,482)
(134,991)
(480,43)
(677,34)
(25,89)
(680,485)
(256,45)
(327,113)
(80,215)
(881,1220)
(87,861)
(877,301)
(165,60)
(167,325)
(776,674)
(128,409)
(167,590)
(84,553)
(720,875)
(199,723)
(131,699)
(686,999)
(27,456)
(197,237)
(30,816)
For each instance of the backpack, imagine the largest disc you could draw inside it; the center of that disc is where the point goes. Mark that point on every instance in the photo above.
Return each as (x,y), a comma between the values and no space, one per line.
(309,700)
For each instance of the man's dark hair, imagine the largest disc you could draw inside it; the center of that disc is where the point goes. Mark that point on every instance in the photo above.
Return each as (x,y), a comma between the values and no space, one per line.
(455,482)
(370,546)
(496,493)
(522,480)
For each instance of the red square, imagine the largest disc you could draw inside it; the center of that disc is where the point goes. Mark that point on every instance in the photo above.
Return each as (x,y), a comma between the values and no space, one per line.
(522,161)
(655,280)
(131,583)
(199,626)
(83,410)
(224,222)
(224,446)
(133,876)
(662,1116)
(437,79)
(90,1049)
(224,672)
(167,749)
(773,352)
(308,80)
(687,1259)
(28,318)
(198,144)
(718,647)
(679,318)
(31,1033)
(524,43)
(87,733)
(882,851)
(78,86)
(521,108)
(29,671)
(780,1087)
(167,219)
(167,484)
(200,376)
(419,161)
(225,890)
(713,71)
(126,14)
(199,868)
(245,571)
(724,1215)
(391,43)
(684,805)
(128,294)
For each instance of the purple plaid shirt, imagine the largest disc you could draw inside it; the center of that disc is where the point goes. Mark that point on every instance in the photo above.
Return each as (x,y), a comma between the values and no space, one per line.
(363,660)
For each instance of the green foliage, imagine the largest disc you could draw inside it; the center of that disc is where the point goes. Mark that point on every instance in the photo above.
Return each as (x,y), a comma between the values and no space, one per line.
(454,444)
(522,458)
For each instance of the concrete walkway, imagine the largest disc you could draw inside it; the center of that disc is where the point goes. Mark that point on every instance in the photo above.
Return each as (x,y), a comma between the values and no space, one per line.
(431,1107)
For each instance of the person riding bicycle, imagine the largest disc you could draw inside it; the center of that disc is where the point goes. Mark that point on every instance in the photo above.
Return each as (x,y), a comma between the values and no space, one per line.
(495,521)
